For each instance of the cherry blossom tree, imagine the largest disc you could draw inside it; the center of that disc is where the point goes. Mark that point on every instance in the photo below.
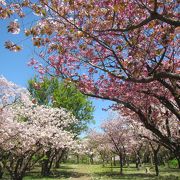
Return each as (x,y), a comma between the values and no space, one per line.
(154,142)
(98,146)
(167,124)
(10,130)
(128,135)
(34,135)
(28,129)
(137,147)
(118,133)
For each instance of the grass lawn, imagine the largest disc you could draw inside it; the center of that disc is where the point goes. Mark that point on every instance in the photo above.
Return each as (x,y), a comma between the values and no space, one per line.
(97,172)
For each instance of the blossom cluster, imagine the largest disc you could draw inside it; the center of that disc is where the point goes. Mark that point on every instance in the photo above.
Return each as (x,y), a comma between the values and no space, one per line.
(26,126)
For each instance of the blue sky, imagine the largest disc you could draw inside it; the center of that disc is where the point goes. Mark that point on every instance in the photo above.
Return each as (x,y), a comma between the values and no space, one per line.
(14,67)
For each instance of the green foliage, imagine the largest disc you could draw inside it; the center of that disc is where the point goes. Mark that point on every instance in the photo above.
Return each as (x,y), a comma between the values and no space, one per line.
(63,94)
(22,119)
(173,163)
(40,91)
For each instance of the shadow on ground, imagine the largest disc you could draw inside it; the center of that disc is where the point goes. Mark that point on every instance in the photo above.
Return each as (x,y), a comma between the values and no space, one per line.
(116,175)
(57,174)
(67,172)
(135,176)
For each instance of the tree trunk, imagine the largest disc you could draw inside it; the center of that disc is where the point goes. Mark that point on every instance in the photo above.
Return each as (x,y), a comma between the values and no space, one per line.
(137,165)
(77,156)
(138,162)
(45,170)
(127,161)
(178,159)
(138,159)
(1,175)
(1,172)
(155,154)
(103,162)
(91,159)
(17,177)
(59,158)
(121,163)
(177,156)
(57,164)
(156,163)
(151,159)
(114,160)
(163,161)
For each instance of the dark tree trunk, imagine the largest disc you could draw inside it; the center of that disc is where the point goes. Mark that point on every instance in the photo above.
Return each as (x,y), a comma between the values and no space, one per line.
(137,165)
(57,164)
(178,159)
(91,159)
(77,158)
(121,163)
(17,177)
(45,169)
(138,162)
(103,162)
(17,172)
(151,159)
(177,155)
(114,160)
(138,157)
(107,159)
(127,161)
(1,172)
(155,154)
(156,163)
(17,166)
(59,158)
(163,161)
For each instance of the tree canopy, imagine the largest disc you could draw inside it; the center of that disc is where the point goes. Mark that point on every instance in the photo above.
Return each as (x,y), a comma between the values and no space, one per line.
(63,94)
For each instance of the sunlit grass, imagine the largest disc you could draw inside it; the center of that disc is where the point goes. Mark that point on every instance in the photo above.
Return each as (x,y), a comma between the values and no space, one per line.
(98,172)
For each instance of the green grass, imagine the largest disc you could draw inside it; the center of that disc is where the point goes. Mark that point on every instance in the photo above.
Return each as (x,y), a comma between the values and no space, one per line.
(97,172)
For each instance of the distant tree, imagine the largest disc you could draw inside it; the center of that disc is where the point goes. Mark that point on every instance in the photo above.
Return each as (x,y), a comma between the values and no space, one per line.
(119,134)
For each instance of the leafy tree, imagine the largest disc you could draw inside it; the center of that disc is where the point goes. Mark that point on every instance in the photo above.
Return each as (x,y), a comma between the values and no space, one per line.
(63,94)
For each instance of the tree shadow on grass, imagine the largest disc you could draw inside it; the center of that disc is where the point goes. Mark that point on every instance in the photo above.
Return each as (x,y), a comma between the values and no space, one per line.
(135,176)
(130,168)
(169,170)
(56,174)
(116,175)
(64,167)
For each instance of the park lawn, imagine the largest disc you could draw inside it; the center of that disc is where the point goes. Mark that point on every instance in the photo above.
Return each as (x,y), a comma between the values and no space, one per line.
(97,172)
